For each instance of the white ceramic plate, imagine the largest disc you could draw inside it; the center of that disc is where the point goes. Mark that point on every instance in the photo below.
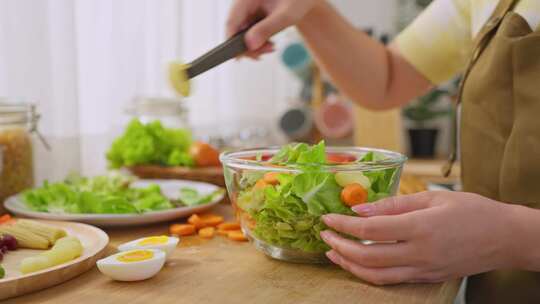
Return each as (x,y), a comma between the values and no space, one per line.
(169,188)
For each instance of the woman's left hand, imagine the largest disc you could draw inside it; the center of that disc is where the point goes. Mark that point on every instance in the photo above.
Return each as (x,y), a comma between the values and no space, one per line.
(440,235)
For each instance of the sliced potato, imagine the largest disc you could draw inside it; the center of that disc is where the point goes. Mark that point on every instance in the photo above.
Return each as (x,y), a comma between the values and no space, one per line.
(346,178)
(179,78)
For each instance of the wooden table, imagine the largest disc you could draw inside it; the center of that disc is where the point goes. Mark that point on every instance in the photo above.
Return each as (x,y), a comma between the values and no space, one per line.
(223,271)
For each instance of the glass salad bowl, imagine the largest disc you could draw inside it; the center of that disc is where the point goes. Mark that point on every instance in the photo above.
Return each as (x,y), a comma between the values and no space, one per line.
(279,195)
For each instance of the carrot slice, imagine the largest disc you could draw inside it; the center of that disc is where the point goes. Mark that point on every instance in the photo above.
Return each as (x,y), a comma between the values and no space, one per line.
(271,178)
(211,219)
(196,221)
(354,194)
(229,226)
(237,235)
(261,184)
(222,232)
(182,229)
(207,232)
(5,218)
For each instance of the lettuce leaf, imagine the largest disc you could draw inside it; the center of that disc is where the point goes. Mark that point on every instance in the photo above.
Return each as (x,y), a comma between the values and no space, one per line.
(150,144)
(372,156)
(381,180)
(320,192)
(301,154)
(283,220)
(101,194)
(192,197)
(288,214)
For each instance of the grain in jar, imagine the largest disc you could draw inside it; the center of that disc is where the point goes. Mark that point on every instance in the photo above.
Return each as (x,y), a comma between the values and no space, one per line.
(17,121)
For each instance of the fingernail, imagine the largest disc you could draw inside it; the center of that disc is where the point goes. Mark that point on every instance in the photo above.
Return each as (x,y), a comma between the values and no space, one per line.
(332,256)
(364,209)
(328,219)
(326,236)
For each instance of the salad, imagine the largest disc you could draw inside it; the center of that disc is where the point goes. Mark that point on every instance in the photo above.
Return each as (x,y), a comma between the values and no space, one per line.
(280,197)
(153,144)
(107,194)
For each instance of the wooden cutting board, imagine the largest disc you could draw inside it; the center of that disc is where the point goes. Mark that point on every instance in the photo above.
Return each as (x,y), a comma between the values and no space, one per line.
(213,175)
(14,284)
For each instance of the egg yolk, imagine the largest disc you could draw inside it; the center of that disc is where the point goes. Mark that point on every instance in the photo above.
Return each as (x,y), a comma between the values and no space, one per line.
(154,240)
(135,256)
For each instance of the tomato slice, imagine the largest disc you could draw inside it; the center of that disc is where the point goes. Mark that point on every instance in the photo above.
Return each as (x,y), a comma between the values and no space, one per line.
(340,158)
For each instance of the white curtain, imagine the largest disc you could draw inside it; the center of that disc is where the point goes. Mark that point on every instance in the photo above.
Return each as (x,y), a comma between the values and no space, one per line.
(83,62)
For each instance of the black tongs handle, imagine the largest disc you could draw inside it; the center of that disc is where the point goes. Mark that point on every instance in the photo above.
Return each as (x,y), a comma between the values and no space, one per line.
(229,49)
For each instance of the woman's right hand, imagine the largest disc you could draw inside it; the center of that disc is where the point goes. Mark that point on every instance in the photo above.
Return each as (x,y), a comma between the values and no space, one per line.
(276,15)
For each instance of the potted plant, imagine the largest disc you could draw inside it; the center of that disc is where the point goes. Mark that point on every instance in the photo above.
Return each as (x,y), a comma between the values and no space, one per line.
(425,109)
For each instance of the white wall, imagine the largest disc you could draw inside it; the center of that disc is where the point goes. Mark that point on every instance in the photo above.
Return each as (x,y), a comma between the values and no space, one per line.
(378,14)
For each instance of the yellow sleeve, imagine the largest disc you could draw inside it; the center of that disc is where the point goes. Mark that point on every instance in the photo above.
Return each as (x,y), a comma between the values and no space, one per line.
(439,41)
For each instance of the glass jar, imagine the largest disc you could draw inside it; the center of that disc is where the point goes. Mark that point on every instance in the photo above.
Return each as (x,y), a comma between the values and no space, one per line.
(170,111)
(17,122)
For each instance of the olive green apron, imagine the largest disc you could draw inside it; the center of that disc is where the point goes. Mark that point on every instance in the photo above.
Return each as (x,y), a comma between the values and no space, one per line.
(500,136)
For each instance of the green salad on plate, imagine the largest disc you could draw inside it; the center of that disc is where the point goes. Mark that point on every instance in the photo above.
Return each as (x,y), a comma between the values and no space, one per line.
(107,194)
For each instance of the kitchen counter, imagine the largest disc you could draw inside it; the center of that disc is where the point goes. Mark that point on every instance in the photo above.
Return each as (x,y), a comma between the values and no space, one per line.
(431,170)
(223,271)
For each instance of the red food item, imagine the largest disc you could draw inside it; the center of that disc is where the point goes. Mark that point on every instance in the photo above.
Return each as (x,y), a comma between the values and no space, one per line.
(340,158)
(5,218)
(354,194)
(9,242)
(271,178)
(204,155)
(264,157)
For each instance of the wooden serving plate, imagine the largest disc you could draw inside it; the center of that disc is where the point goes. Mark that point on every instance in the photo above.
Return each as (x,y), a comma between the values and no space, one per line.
(213,175)
(14,284)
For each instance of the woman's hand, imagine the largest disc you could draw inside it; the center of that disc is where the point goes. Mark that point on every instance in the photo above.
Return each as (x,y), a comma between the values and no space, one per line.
(441,235)
(274,16)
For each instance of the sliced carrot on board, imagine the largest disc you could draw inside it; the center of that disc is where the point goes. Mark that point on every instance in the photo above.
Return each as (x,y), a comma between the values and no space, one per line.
(211,219)
(354,194)
(271,178)
(182,229)
(222,232)
(237,235)
(207,232)
(229,226)
(196,221)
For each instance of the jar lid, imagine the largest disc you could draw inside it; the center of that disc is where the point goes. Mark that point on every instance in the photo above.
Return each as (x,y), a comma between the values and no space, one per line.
(159,106)
(17,113)
(21,113)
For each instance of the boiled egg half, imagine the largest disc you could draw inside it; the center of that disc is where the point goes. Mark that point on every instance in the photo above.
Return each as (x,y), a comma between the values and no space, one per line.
(165,243)
(132,265)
